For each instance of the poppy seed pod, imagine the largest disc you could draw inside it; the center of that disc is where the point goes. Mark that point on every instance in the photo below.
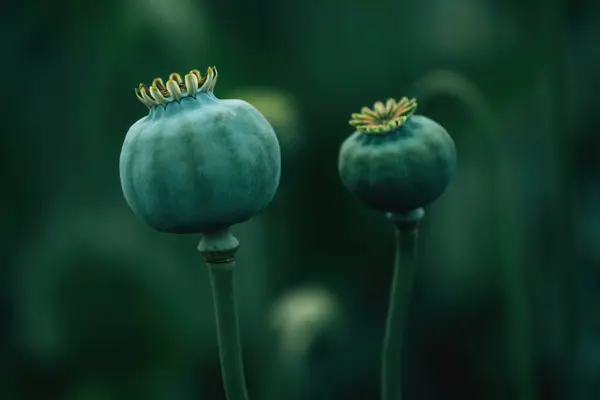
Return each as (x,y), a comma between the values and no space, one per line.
(195,163)
(395,161)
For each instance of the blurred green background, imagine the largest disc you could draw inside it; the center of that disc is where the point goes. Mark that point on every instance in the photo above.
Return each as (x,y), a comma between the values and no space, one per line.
(96,306)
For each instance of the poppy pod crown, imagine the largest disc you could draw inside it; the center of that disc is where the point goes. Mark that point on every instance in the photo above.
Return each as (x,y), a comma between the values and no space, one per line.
(384,118)
(176,88)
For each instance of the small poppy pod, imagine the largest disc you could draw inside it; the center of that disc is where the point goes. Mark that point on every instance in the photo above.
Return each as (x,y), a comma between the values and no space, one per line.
(395,161)
(195,163)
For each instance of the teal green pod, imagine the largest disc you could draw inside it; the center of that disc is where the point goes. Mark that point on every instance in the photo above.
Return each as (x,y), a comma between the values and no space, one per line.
(396,161)
(195,163)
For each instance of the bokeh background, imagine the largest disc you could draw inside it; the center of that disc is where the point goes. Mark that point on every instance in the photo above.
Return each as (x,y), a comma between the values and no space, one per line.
(94,305)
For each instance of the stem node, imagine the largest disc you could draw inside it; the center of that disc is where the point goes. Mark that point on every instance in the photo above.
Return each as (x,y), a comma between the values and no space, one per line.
(218,247)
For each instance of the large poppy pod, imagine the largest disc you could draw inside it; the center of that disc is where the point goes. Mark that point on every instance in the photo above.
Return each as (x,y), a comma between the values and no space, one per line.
(195,163)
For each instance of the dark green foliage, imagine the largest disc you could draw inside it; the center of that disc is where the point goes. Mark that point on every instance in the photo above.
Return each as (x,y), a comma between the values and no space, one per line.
(69,69)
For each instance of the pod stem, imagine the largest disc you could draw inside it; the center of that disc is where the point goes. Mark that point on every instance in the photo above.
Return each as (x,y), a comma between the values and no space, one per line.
(219,251)
(401,291)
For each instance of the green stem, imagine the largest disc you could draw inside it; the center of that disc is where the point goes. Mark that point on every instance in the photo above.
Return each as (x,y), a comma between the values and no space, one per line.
(218,250)
(401,291)
(228,332)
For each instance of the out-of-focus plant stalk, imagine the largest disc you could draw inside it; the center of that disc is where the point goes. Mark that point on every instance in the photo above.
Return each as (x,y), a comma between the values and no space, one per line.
(552,47)
(506,231)
(308,327)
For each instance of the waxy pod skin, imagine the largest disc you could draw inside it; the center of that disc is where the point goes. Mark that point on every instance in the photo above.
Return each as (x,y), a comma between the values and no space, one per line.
(195,163)
(395,161)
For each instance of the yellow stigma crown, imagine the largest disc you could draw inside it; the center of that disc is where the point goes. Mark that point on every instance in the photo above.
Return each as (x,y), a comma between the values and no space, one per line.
(384,118)
(176,88)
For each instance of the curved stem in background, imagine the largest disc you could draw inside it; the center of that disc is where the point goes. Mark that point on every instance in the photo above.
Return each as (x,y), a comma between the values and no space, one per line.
(219,251)
(506,232)
(401,291)
(552,44)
